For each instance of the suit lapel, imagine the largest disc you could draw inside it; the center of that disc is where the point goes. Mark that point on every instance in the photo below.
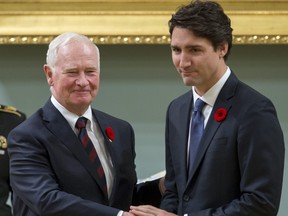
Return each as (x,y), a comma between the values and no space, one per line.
(112,148)
(103,125)
(224,100)
(181,131)
(58,125)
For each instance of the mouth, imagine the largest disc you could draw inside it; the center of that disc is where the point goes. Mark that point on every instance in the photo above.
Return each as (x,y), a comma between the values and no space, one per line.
(189,73)
(82,91)
(185,73)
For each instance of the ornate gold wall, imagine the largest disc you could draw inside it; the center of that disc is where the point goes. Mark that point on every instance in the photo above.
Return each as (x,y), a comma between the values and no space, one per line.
(132,21)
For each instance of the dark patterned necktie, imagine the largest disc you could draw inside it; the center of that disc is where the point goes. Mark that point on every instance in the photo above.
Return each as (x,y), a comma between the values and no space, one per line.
(91,151)
(196,131)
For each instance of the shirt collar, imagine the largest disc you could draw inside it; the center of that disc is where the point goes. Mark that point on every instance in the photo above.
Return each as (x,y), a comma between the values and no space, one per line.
(71,117)
(211,95)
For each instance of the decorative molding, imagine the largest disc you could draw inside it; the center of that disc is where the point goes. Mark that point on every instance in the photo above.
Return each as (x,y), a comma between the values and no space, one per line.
(132,21)
(152,39)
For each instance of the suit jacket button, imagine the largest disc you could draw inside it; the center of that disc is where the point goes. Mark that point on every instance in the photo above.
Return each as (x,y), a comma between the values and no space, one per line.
(186,198)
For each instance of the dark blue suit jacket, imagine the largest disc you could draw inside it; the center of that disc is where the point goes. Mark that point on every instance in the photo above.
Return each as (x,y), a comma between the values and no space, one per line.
(51,174)
(239,165)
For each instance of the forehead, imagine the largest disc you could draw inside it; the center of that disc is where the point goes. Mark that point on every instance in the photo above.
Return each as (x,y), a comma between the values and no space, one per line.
(77,51)
(77,54)
(182,37)
(78,47)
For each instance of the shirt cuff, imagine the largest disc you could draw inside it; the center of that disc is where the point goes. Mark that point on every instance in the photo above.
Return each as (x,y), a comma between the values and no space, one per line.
(120,213)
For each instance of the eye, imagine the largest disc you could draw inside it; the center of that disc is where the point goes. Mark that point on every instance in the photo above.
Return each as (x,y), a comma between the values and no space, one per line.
(91,72)
(176,50)
(195,50)
(71,73)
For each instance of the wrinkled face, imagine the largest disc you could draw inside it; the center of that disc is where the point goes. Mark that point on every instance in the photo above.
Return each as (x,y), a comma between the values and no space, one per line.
(75,79)
(196,60)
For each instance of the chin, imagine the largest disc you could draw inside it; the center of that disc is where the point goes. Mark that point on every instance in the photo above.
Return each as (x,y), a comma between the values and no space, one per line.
(83,100)
(188,82)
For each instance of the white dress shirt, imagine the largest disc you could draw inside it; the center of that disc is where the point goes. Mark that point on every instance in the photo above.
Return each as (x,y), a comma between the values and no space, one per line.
(96,137)
(209,98)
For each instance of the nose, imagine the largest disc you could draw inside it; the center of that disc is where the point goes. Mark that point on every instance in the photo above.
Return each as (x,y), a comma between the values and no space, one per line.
(82,79)
(184,61)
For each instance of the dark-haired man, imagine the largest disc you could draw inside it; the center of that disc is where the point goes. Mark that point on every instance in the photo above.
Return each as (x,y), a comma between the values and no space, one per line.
(225,157)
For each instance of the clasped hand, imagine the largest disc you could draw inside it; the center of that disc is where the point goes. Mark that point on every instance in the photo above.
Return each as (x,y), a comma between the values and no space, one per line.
(147,210)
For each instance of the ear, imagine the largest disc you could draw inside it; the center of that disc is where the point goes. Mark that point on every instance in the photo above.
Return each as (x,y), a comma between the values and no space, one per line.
(223,48)
(49,74)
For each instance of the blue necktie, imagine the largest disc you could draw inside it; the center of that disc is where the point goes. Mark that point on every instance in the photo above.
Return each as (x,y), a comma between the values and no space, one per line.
(196,131)
(91,151)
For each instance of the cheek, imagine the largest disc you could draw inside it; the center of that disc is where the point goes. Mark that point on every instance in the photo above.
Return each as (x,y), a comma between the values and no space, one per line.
(95,81)
(94,87)
(63,85)
(175,60)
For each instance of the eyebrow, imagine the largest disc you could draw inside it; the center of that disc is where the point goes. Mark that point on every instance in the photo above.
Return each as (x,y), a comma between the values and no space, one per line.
(187,47)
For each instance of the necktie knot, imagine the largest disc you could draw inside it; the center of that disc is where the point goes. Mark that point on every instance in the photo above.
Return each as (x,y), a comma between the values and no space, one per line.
(81,123)
(199,104)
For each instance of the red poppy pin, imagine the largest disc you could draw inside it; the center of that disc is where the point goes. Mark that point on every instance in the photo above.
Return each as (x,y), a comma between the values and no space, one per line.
(110,134)
(220,114)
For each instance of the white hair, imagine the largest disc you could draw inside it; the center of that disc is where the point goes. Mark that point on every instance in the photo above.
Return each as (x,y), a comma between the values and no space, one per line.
(61,40)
